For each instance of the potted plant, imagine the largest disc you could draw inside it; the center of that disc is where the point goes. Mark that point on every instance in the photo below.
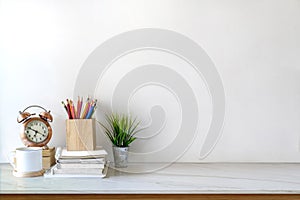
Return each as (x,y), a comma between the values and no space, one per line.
(121,130)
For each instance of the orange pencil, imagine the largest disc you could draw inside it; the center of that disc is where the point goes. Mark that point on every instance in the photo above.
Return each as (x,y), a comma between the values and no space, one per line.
(72,109)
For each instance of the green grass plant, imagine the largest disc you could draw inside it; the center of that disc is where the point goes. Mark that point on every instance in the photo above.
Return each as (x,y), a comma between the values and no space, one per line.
(121,129)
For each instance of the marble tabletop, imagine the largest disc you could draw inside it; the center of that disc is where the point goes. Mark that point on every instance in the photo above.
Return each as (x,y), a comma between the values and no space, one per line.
(177,178)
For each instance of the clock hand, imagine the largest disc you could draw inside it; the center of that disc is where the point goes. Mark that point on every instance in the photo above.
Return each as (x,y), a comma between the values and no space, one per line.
(32,129)
(35,132)
(40,133)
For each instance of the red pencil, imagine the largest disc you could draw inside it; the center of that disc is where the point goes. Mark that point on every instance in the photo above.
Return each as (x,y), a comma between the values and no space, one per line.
(78,108)
(69,109)
(66,108)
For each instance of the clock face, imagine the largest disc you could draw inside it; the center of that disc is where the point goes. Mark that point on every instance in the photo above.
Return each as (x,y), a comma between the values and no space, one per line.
(36,131)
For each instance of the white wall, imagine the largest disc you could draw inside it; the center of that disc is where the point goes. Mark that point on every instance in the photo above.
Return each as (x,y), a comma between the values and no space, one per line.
(255,46)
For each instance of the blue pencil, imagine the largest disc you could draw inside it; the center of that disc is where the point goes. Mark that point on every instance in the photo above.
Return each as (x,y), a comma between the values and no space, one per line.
(89,115)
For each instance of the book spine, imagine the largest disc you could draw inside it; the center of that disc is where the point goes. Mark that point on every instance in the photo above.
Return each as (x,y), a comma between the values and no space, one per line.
(79,171)
(83,161)
(78,165)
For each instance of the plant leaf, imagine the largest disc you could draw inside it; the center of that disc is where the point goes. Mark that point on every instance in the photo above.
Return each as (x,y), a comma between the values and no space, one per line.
(121,129)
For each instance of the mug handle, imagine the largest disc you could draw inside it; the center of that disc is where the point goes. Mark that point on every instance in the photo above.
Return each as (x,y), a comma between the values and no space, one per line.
(10,157)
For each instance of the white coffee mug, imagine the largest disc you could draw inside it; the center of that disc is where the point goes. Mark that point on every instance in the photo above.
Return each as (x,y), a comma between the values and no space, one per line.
(27,159)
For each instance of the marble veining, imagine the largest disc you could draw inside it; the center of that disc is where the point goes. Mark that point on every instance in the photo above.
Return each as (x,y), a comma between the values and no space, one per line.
(177,178)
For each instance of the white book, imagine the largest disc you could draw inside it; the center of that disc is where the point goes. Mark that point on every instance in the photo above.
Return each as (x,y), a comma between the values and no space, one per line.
(82,160)
(54,173)
(65,154)
(78,171)
(80,165)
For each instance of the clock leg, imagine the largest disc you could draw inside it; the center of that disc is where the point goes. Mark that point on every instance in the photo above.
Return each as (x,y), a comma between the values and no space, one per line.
(45,147)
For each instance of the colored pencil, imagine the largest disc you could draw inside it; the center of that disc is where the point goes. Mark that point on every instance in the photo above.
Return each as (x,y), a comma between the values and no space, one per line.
(86,107)
(73,111)
(78,108)
(69,108)
(76,112)
(63,103)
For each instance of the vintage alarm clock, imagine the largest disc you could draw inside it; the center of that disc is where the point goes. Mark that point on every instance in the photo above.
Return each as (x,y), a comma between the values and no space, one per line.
(36,130)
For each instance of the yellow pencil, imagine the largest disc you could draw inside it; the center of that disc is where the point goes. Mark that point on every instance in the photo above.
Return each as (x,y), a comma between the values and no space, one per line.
(85,110)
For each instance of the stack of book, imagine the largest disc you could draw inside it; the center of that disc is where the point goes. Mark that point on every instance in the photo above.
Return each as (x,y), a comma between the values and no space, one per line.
(79,163)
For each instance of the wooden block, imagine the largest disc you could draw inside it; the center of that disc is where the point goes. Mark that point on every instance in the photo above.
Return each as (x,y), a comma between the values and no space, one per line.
(81,134)
(48,162)
(49,151)
(48,157)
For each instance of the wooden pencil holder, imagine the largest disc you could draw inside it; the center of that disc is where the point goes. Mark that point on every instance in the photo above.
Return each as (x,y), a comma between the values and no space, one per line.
(81,134)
